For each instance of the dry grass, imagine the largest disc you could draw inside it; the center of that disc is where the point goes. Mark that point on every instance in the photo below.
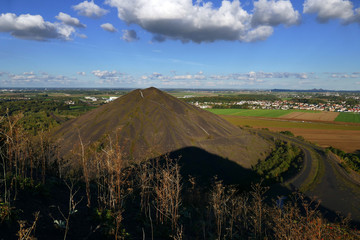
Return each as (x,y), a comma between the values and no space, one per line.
(309,116)
(342,136)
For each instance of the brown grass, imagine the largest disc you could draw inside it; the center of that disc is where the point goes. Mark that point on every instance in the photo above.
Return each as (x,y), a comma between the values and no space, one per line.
(348,141)
(308,116)
(343,136)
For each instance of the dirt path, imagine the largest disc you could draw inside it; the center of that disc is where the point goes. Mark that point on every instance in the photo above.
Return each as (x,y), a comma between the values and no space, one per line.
(336,190)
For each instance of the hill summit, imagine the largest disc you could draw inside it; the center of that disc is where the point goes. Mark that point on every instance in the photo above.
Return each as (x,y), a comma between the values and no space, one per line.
(153,122)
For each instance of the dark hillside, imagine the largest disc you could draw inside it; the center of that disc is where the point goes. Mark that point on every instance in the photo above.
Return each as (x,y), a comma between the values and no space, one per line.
(149,123)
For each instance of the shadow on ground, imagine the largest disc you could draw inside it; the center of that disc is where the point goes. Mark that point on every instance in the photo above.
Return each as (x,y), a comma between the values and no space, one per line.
(204,166)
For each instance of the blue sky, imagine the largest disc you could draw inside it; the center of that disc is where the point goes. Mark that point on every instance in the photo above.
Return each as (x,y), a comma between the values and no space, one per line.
(261,44)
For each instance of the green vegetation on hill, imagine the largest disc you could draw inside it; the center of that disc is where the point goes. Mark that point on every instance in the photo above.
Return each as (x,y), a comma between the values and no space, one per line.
(351,160)
(348,117)
(284,159)
(43,113)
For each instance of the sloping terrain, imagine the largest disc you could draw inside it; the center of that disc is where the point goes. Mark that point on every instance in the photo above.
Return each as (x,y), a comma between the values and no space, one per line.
(149,123)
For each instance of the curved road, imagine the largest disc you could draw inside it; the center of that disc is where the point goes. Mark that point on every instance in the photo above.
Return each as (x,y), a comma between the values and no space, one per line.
(336,190)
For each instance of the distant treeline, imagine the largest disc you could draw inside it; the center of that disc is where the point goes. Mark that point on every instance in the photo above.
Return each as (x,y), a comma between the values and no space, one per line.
(351,160)
(43,113)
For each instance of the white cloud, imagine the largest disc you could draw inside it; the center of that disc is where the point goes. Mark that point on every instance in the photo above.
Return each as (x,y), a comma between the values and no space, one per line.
(113,77)
(201,22)
(68,20)
(80,35)
(108,27)
(104,74)
(273,13)
(129,36)
(259,76)
(345,75)
(33,27)
(81,73)
(38,79)
(331,9)
(90,9)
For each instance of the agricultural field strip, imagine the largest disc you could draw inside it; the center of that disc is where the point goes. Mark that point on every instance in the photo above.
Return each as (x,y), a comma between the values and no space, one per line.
(291,114)
(283,123)
(348,117)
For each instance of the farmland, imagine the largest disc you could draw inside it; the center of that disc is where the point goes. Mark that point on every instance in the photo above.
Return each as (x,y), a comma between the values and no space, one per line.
(339,135)
(311,116)
(348,117)
(292,114)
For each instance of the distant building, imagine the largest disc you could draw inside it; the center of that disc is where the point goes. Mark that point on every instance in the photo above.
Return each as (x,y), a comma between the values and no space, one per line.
(111,99)
(94,99)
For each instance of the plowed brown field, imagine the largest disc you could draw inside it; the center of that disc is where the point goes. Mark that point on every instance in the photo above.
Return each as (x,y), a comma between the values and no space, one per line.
(348,141)
(308,116)
(345,136)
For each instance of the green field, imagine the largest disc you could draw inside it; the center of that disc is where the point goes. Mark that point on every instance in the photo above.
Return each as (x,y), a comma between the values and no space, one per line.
(348,117)
(252,112)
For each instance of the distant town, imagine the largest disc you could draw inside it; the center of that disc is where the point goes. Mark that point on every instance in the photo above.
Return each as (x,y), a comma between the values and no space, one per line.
(314,100)
(284,105)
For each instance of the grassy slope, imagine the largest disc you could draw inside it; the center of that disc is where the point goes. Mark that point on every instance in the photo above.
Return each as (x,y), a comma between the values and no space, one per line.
(348,117)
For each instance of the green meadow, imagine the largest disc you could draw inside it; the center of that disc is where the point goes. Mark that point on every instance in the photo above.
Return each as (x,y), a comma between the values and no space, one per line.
(348,117)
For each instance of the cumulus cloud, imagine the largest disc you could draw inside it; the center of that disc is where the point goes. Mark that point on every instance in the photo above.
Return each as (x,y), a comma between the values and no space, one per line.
(113,77)
(333,9)
(129,36)
(175,77)
(158,38)
(68,20)
(108,27)
(90,9)
(344,75)
(81,73)
(33,27)
(259,76)
(36,79)
(80,35)
(202,22)
(273,13)
(104,74)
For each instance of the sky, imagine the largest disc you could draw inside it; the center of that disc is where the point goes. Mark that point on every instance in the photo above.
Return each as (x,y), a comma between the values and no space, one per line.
(218,44)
